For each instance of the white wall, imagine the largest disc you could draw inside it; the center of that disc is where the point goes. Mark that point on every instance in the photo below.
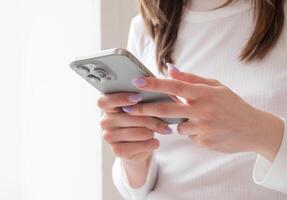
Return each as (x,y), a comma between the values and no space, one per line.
(9,102)
(60,137)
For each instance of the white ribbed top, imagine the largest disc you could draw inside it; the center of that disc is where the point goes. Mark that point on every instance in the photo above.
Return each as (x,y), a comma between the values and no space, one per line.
(234,8)
(209,44)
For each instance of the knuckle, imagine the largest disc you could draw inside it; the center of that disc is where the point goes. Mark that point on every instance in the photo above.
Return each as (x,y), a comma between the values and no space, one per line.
(214,81)
(118,150)
(226,90)
(105,123)
(108,136)
(220,90)
(101,103)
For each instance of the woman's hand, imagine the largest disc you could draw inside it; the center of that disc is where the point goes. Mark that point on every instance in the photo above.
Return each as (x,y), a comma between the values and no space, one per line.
(130,137)
(218,119)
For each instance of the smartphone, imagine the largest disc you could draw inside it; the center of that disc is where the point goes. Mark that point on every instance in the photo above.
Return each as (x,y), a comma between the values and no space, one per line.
(112,71)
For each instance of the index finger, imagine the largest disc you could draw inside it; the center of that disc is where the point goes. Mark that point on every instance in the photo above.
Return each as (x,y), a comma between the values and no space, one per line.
(171,87)
(161,110)
(112,102)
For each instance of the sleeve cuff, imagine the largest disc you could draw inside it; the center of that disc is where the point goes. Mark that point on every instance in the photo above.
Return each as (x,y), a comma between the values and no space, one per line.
(121,181)
(273,175)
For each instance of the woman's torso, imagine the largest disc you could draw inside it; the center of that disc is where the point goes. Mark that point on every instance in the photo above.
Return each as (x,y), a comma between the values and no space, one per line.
(209,45)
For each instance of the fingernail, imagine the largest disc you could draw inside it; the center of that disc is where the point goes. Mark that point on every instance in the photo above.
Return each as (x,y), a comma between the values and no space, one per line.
(139,82)
(168,131)
(135,98)
(127,109)
(172,67)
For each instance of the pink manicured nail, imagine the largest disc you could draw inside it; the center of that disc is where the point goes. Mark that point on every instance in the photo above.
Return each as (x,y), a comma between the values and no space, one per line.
(172,67)
(168,131)
(139,82)
(135,98)
(127,109)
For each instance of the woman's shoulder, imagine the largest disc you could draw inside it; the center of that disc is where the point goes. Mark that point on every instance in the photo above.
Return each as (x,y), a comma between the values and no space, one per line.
(140,43)
(140,34)
(137,26)
(137,21)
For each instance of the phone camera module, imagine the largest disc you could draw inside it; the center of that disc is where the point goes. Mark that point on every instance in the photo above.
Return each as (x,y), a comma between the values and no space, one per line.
(91,66)
(82,70)
(93,79)
(100,73)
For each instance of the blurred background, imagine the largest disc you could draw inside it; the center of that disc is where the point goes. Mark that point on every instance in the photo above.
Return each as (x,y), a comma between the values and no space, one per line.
(50,140)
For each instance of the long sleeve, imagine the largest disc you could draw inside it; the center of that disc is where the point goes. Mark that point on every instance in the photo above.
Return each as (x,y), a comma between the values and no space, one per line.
(119,175)
(121,181)
(273,175)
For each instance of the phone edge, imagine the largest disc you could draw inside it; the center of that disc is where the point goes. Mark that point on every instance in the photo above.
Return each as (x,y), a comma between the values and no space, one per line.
(118,51)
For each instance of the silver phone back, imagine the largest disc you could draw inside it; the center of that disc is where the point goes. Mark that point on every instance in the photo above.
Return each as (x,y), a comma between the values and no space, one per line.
(112,71)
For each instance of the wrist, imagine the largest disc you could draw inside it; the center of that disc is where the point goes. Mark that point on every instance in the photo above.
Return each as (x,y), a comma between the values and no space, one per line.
(271,135)
(138,160)
(136,171)
(137,164)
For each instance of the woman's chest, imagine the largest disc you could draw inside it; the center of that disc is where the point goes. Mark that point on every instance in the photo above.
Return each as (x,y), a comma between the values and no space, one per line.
(261,83)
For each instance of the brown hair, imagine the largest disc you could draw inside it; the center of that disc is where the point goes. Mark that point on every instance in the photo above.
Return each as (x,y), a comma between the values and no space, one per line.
(162,20)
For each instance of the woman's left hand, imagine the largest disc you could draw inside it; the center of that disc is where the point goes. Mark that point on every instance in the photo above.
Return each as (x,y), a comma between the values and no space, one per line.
(218,119)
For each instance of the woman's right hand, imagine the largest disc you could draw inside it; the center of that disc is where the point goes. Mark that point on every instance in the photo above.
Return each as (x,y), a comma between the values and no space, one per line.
(130,137)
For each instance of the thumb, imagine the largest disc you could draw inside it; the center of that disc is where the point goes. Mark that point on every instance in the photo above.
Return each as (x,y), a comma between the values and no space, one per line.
(188,77)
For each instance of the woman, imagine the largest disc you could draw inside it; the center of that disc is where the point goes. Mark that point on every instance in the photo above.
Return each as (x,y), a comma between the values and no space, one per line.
(232,72)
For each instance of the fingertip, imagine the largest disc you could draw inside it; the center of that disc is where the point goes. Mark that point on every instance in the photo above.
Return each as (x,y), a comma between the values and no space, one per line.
(127,109)
(172,69)
(139,82)
(135,98)
(156,143)
(168,131)
(100,102)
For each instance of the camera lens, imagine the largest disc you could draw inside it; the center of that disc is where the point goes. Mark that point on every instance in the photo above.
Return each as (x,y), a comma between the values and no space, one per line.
(93,79)
(82,70)
(91,66)
(100,73)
